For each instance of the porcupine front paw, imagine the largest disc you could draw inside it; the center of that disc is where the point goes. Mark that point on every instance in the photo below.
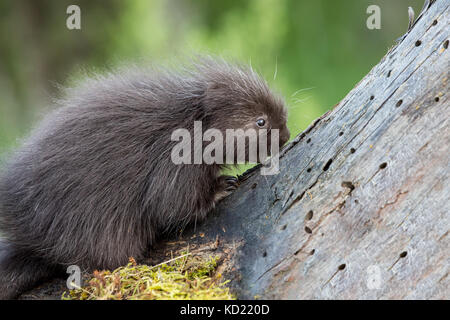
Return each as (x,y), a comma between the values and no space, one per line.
(225,186)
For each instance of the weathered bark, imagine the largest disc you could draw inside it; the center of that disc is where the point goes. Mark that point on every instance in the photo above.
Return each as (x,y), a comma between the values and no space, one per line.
(360,208)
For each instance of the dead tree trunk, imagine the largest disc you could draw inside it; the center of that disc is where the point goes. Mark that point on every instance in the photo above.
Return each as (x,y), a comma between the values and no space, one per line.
(360,209)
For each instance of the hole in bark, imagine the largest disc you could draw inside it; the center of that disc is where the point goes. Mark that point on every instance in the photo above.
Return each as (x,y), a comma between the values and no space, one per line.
(372,97)
(348,184)
(284,227)
(253,186)
(446,44)
(403,254)
(341,133)
(418,43)
(308,170)
(309,140)
(434,23)
(265,254)
(399,103)
(327,165)
(341,267)
(389,73)
(308,230)
(383,165)
(312,251)
(356,201)
(436,99)
(309,215)
(352,150)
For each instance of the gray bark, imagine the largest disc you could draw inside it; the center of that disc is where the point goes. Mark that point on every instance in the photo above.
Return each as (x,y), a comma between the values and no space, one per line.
(360,208)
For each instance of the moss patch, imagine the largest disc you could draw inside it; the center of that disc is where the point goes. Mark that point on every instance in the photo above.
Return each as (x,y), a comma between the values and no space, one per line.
(186,277)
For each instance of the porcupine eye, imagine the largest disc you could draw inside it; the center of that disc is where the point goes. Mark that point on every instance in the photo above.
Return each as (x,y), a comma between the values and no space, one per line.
(260,122)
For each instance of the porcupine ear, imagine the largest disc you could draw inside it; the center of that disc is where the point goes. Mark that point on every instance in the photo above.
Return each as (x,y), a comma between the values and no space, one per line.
(211,98)
(214,89)
(216,94)
(200,108)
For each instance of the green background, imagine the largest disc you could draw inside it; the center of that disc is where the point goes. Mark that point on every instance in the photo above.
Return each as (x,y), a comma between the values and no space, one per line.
(321,45)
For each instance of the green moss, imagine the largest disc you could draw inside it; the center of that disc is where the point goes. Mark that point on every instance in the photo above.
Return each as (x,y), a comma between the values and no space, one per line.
(186,277)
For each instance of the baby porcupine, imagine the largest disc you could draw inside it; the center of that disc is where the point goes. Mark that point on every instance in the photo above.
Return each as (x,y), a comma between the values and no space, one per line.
(94,183)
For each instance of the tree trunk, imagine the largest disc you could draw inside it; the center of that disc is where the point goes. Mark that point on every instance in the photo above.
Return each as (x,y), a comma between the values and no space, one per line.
(360,208)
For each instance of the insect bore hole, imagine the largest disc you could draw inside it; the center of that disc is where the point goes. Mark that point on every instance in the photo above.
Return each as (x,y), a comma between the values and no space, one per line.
(327,165)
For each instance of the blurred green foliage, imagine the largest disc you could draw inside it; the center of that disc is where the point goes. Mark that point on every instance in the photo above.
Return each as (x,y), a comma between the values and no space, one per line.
(322,45)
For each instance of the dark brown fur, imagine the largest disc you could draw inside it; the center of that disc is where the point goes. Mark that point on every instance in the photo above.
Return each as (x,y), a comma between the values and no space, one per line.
(94,183)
